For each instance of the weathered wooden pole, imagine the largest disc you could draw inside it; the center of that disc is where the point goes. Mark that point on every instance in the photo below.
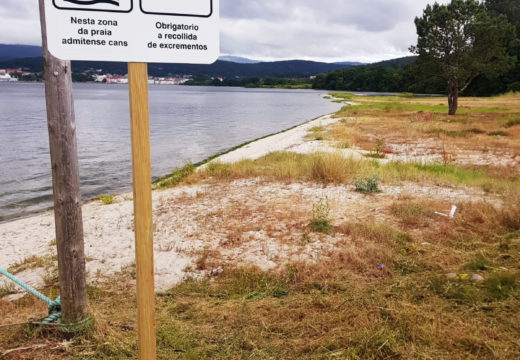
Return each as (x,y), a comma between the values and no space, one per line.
(65,182)
(142,178)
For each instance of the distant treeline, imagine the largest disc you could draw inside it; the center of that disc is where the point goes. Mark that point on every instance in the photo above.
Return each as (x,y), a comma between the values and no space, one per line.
(410,79)
(253,82)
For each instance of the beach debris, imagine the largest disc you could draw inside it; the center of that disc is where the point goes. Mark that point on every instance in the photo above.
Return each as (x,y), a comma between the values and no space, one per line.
(476,278)
(462,277)
(216,271)
(380,266)
(451,215)
(425,244)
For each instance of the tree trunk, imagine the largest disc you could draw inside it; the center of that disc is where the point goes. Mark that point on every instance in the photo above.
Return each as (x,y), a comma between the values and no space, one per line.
(453,97)
(65,181)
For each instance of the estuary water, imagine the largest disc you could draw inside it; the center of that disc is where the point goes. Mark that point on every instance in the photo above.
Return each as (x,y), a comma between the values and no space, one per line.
(187,124)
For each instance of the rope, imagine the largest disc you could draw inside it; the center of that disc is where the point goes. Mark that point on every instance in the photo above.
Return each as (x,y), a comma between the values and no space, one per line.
(54,306)
(27,287)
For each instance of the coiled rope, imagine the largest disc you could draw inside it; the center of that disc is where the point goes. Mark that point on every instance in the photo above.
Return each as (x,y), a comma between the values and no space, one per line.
(54,305)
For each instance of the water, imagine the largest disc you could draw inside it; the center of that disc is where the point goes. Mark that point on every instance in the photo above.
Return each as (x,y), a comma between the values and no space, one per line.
(187,124)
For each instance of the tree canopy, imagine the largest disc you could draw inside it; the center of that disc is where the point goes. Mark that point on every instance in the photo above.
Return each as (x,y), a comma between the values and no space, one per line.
(460,41)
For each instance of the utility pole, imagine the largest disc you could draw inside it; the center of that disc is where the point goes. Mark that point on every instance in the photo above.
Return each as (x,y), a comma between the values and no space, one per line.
(65,182)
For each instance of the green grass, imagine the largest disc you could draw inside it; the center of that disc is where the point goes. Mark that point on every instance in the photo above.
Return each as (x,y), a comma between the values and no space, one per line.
(334,168)
(176,176)
(345,96)
(107,199)
(454,133)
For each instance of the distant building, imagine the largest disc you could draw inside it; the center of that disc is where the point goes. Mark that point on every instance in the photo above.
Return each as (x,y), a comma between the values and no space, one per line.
(4,76)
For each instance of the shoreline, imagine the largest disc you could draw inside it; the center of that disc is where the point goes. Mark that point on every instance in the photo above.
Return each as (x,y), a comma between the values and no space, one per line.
(33,236)
(197,165)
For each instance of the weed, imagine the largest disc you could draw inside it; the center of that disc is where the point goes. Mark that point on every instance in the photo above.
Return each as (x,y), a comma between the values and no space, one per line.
(343,145)
(320,221)
(51,276)
(411,213)
(7,289)
(367,185)
(379,150)
(317,133)
(512,122)
(32,262)
(447,157)
(480,263)
(107,199)
(52,243)
(498,133)
(502,285)
(176,177)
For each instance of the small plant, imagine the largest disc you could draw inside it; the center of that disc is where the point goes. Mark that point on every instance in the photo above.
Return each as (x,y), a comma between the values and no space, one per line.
(512,123)
(343,145)
(368,185)
(107,199)
(7,289)
(379,150)
(320,221)
(447,157)
(317,133)
(498,133)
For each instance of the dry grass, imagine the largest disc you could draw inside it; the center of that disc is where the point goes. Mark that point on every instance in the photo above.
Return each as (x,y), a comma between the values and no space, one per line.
(343,306)
(483,130)
(334,168)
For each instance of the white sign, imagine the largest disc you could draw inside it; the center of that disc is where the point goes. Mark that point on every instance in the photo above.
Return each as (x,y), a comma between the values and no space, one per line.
(167,31)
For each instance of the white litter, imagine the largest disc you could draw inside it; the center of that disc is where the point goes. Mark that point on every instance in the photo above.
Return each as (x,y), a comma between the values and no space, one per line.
(451,214)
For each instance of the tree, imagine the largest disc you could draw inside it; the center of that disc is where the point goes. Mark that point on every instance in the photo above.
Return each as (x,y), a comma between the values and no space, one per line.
(510,8)
(460,41)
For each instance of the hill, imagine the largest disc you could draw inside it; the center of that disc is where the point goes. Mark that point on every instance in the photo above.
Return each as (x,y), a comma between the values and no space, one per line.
(226,69)
(8,52)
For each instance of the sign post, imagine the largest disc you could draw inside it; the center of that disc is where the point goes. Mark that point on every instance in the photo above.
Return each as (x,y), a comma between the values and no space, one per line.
(138,90)
(65,183)
(137,32)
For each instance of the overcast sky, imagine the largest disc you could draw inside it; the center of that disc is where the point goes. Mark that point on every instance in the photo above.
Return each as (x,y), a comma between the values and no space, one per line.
(323,30)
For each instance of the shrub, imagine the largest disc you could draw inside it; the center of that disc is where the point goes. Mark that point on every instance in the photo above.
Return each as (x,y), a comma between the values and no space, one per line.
(320,221)
(368,185)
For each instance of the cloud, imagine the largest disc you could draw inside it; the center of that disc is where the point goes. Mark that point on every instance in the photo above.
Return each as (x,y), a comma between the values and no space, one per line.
(326,30)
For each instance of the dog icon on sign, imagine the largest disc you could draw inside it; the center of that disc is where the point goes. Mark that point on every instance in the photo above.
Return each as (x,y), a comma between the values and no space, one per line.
(95,5)
(93,2)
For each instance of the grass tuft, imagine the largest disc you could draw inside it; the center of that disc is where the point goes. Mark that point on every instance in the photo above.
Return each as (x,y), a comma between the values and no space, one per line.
(107,199)
(367,185)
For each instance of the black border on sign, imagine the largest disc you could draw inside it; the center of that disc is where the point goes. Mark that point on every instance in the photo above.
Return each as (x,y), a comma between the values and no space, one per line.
(97,10)
(170,14)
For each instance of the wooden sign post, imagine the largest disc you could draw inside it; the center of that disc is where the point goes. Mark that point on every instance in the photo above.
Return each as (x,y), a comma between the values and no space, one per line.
(65,183)
(137,32)
(138,90)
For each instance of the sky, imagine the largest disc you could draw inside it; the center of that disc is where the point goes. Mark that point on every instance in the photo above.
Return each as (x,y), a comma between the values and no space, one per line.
(320,30)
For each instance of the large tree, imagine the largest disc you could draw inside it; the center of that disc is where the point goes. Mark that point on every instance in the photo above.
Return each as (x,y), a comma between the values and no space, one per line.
(460,41)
